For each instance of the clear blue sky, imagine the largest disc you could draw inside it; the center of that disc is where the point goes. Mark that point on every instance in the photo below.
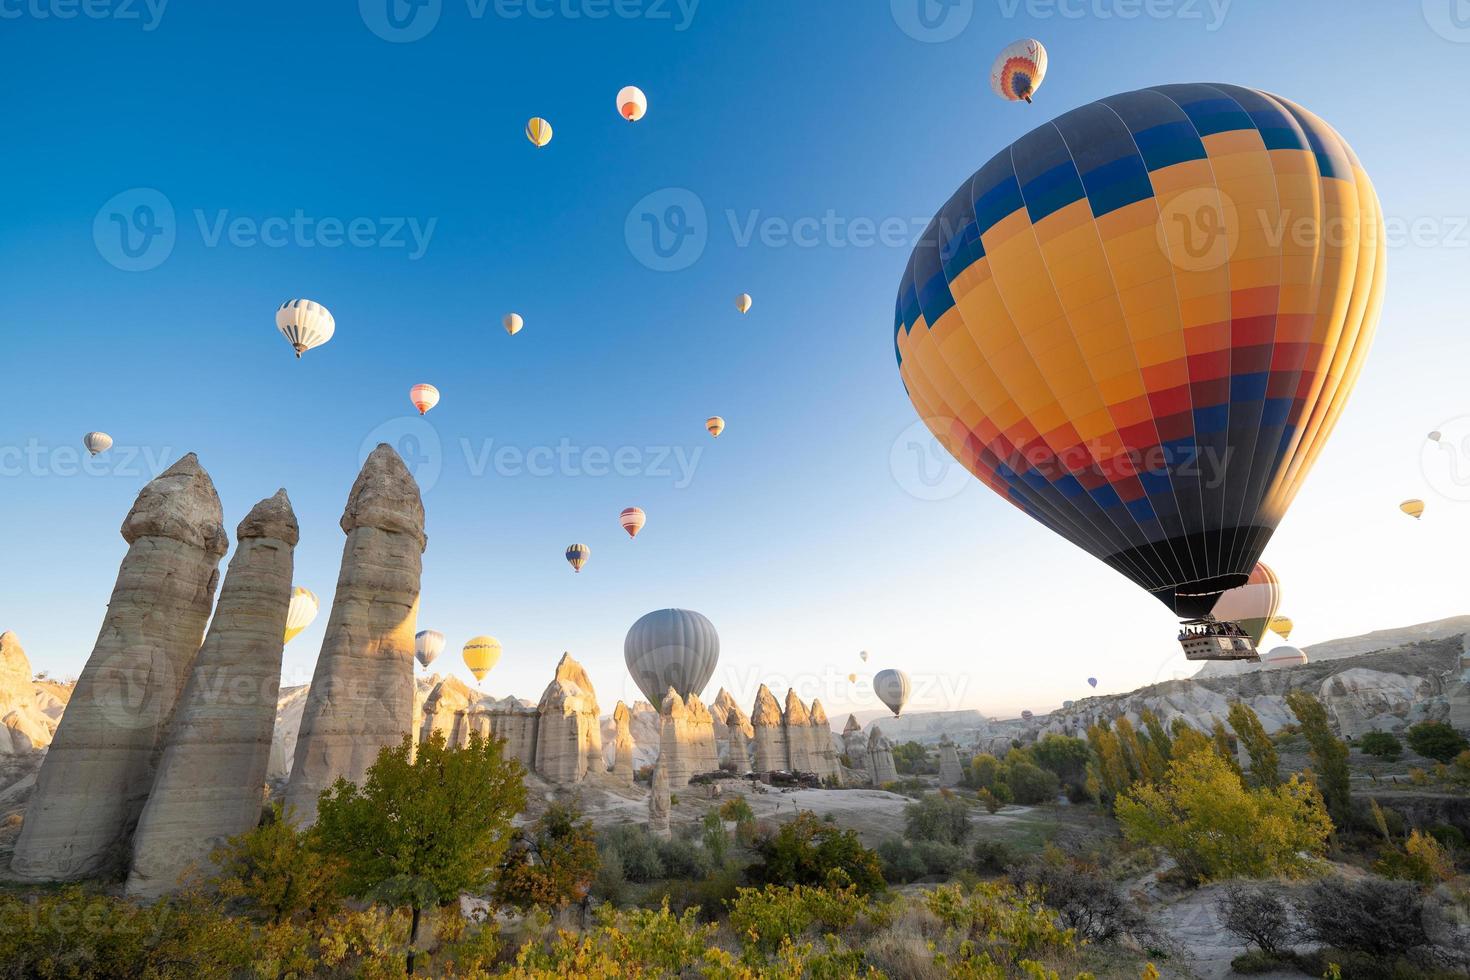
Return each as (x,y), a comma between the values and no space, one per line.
(796,535)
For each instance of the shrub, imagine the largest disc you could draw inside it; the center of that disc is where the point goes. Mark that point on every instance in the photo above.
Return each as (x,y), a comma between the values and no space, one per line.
(805,851)
(912,759)
(552,863)
(905,861)
(1436,740)
(1260,916)
(1254,961)
(1381,744)
(736,809)
(1031,785)
(984,771)
(633,849)
(1088,903)
(765,917)
(277,873)
(1065,757)
(989,800)
(941,817)
(1372,915)
(992,856)
(1422,859)
(1214,827)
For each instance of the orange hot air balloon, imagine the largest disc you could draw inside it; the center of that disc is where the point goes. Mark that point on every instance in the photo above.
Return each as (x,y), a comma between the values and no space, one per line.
(1101,327)
(424,397)
(633,519)
(715,425)
(632,103)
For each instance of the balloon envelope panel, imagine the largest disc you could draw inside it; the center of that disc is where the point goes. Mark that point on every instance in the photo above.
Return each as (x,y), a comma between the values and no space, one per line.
(1106,325)
(676,648)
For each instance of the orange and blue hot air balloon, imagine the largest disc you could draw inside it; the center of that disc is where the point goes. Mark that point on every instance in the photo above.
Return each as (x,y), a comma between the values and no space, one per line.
(577,555)
(1104,326)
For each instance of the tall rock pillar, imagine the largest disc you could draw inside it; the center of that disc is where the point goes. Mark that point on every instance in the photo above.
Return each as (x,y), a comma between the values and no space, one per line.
(623,745)
(361,696)
(824,756)
(770,734)
(211,777)
(950,772)
(675,753)
(797,723)
(854,743)
(99,768)
(880,758)
(700,726)
(739,757)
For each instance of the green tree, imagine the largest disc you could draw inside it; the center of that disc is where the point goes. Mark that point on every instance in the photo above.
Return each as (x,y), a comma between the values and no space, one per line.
(984,771)
(425,825)
(1031,785)
(1203,815)
(1065,756)
(1111,769)
(1156,733)
(940,816)
(1328,753)
(1436,740)
(1132,749)
(1225,746)
(806,850)
(552,862)
(910,758)
(1265,769)
(1384,745)
(275,871)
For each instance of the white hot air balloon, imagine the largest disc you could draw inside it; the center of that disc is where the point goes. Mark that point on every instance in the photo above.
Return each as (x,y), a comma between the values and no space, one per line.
(303,609)
(1284,656)
(513,322)
(675,648)
(305,324)
(893,689)
(1018,70)
(427,645)
(97,442)
(632,103)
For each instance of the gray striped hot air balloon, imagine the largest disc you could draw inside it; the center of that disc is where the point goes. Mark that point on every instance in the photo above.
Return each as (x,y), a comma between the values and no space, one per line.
(675,648)
(892,688)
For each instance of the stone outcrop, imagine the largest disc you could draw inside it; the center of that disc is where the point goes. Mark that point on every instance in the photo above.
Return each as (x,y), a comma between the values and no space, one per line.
(362,691)
(855,743)
(770,733)
(660,801)
(950,772)
(26,726)
(738,754)
(622,769)
(568,736)
(824,753)
(100,766)
(448,699)
(721,708)
(880,758)
(798,726)
(643,725)
(699,728)
(211,777)
(518,724)
(1359,699)
(1459,694)
(674,753)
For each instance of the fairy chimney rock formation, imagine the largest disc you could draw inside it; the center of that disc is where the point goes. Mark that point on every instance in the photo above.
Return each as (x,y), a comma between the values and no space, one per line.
(823,754)
(362,695)
(568,736)
(738,757)
(722,706)
(211,776)
(675,753)
(699,726)
(854,743)
(100,766)
(949,763)
(623,745)
(880,758)
(770,733)
(798,722)
(449,696)
(660,801)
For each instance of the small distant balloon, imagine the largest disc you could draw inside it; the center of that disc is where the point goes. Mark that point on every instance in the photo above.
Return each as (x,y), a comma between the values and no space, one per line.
(1282,626)
(480,655)
(305,324)
(864,656)
(577,555)
(424,397)
(1414,508)
(852,678)
(1092,682)
(513,323)
(893,689)
(1435,436)
(742,302)
(715,425)
(97,442)
(300,613)
(632,103)
(1018,70)
(633,519)
(538,131)
(1027,715)
(427,645)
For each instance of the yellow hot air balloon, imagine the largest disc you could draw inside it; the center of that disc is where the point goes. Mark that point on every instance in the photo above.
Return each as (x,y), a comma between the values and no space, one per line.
(1414,508)
(742,302)
(303,609)
(715,425)
(632,103)
(1282,626)
(538,131)
(577,555)
(481,655)
(513,323)
(852,678)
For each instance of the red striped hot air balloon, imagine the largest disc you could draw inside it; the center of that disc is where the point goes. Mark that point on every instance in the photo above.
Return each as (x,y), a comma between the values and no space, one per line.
(424,397)
(1100,325)
(633,519)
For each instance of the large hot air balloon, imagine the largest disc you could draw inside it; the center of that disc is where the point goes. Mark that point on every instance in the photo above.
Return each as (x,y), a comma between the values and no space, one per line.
(538,131)
(893,689)
(305,324)
(300,613)
(480,655)
(424,397)
(633,519)
(427,645)
(1102,328)
(1282,626)
(715,425)
(513,322)
(1092,682)
(1284,657)
(1414,508)
(1252,605)
(743,302)
(1018,70)
(577,555)
(675,648)
(632,103)
(97,442)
